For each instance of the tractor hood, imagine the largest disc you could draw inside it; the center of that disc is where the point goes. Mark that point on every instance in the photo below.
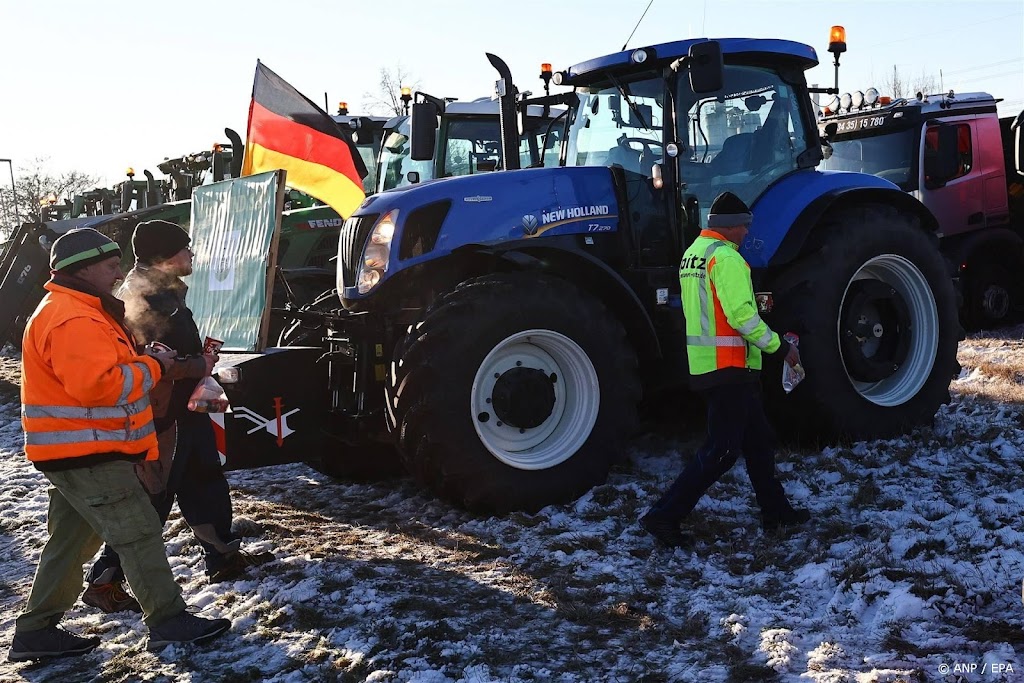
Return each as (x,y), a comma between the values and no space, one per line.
(433,219)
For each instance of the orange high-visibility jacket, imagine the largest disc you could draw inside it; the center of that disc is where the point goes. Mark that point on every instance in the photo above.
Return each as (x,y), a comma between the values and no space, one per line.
(84,389)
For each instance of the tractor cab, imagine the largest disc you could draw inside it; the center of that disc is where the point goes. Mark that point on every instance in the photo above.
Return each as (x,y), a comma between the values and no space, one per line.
(456,138)
(368,133)
(682,122)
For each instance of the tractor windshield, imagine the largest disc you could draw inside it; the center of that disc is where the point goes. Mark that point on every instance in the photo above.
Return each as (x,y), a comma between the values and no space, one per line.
(394,163)
(743,137)
(368,152)
(889,155)
(618,123)
(473,145)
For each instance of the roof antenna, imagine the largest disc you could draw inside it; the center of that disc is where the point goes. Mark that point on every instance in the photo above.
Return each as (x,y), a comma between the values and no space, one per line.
(637,25)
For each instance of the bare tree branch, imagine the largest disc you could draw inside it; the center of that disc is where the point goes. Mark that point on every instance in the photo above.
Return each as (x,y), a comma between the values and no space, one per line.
(387,100)
(35,185)
(898,85)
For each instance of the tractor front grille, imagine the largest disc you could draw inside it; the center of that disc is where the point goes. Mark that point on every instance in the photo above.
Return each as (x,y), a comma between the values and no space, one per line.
(350,246)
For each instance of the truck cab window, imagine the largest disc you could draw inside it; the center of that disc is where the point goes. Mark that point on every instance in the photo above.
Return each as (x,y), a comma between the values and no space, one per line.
(964,147)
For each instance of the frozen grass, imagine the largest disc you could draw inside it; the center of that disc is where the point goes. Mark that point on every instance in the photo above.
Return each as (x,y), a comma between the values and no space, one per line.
(913,560)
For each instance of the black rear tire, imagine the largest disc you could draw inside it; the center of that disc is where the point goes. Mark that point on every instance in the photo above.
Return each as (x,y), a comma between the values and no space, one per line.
(365,462)
(492,434)
(876,313)
(991,296)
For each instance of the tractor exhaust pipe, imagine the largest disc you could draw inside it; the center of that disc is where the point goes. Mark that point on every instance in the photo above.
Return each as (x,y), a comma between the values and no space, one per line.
(506,92)
(237,151)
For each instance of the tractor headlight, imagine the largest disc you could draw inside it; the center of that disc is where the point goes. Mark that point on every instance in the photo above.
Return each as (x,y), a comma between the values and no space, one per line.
(377,253)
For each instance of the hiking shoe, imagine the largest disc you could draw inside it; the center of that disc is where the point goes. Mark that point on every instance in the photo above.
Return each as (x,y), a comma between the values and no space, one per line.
(232,565)
(49,642)
(110,597)
(791,517)
(666,532)
(184,629)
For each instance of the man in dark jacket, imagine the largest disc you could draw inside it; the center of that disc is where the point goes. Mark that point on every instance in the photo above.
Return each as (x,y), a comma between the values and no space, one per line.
(155,310)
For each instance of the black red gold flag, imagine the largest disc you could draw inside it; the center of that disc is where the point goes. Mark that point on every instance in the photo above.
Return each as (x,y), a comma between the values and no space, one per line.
(286,130)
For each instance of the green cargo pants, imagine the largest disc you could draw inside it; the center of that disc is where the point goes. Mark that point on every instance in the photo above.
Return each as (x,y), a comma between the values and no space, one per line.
(89,505)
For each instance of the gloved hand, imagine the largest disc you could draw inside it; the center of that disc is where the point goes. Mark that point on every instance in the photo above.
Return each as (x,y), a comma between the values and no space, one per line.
(165,358)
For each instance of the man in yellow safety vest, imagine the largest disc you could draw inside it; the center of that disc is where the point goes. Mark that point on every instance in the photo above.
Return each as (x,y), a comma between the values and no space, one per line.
(725,337)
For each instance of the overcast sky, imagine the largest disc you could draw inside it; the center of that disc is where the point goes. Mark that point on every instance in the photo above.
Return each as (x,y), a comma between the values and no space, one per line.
(102,85)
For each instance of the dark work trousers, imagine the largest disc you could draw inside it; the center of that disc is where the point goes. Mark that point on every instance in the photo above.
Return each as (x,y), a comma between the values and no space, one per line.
(736,425)
(197,481)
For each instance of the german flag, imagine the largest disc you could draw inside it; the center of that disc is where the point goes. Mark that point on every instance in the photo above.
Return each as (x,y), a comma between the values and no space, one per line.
(286,130)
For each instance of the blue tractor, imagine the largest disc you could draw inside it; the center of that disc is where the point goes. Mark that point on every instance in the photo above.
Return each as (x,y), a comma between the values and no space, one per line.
(505,328)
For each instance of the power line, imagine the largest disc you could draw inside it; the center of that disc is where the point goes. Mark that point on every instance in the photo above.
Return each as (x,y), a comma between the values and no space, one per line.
(957,29)
(1017,60)
(986,77)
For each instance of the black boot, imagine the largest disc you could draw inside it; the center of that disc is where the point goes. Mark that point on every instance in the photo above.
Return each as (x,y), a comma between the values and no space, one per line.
(786,518)
(666,532)
(48,643)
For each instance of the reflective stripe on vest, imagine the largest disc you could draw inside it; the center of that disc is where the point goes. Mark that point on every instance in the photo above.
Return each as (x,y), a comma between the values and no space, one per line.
(750,325)
(86,435)
(702,293)
(715,341)
(765,339)
(128,381)
(79,413)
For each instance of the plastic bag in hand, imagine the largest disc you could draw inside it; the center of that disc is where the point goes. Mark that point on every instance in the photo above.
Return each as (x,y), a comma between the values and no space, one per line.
(208,397)
(792,374)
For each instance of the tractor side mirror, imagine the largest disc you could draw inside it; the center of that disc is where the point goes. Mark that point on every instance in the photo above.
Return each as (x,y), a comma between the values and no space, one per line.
(942,158)
(423,134)
(707,70)
(826,140)
(362,133)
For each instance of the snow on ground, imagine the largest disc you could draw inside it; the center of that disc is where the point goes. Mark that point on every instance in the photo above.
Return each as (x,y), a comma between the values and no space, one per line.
(910,571)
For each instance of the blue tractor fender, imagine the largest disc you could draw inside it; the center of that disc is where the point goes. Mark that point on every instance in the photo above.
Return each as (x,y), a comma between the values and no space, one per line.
(786,215)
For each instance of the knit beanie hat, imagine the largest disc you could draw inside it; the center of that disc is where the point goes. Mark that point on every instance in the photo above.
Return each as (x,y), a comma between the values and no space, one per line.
(729,211)
(79,248)
(156,241)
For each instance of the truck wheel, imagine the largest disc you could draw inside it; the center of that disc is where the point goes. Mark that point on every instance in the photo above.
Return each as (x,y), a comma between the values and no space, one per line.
(876,314)
(308,332)
(990,297)
(515,391)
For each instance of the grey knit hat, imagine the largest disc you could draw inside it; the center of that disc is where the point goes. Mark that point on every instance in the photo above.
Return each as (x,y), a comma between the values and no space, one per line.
(729,211)
(81,247)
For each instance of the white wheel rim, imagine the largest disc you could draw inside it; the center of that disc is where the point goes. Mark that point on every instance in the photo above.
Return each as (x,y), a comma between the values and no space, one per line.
(910,283)
(577,400)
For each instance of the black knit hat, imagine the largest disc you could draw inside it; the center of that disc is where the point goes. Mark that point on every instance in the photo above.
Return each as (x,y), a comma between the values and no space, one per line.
(156,241)
(729,211)
(79,248)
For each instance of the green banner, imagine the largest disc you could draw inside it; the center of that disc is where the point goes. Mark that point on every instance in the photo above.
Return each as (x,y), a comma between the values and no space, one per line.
(235,227)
